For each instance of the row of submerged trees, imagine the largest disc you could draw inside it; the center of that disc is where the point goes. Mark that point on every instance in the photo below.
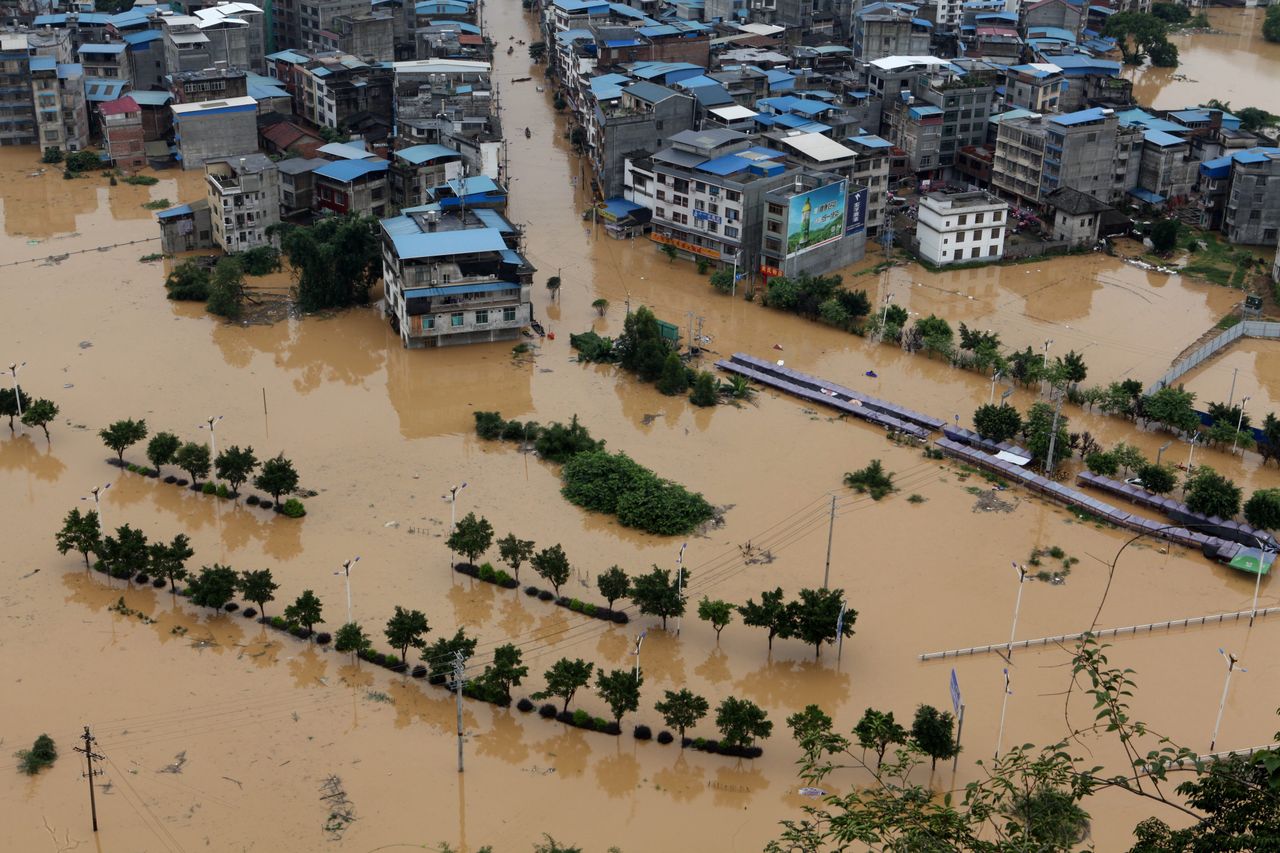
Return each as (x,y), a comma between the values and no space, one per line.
(275,476)
(814,617)
(129,555)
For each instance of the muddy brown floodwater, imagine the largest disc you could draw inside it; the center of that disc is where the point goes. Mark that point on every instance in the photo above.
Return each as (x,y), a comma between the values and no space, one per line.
(1233,64)
(221,734)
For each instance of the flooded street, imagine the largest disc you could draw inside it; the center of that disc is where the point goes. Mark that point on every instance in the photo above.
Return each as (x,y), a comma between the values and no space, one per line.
(223,734)
(1235,64)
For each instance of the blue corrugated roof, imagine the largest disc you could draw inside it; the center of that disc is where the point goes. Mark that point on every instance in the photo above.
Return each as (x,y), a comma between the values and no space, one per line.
(438,244)
(1164,140)
(650,92)
(1079,117)
(714,95)
(871,141)
(68,70)
(469,186)
(50,20)
(1078,63)
(419,154)
(592,7)
(488,287)
(101,89)
(142,37)
(511,256)
(151,99)
(43,63)
(792,104)
(1051,33)
(288,56)
(493,219)
(101,48)
(350,170)
(923,110)
(608,86)
(921,22)
(461,26)
(1146,195)
(174,211)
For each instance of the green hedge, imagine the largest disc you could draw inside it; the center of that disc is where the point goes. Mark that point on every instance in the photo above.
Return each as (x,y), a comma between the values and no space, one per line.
(617,485)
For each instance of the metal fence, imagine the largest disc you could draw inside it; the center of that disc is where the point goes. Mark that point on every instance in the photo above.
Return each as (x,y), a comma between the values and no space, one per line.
(1243,329)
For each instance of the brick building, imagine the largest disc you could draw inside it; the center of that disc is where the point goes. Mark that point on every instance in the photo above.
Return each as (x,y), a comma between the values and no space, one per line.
(123,133)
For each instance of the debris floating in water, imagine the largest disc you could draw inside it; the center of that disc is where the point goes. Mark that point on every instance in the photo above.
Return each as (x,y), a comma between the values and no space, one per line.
(812,792)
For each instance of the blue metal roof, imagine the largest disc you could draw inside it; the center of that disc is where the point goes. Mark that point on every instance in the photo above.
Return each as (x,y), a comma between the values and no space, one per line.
(511,256)
(1051,33)
(101,48)
(50,20)
(871,141)
(461,26)
(1146,195)
(440,244)
(493,219)
(651,92)
(1077,63)
(608,86)
(69,70)
(174,211)
(792,104)
(924,110)
(731,164)
(142,37)
(350,170)
(921,22)
(1079,117)
(620,207)
(591,7)
(43,63)
(488,287)
(419,154)
(1162,139)
(288,56)
(101,89)
(1032,71)
(151,99)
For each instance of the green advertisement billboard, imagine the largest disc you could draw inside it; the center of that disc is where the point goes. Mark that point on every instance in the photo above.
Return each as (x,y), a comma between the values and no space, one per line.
(815,218)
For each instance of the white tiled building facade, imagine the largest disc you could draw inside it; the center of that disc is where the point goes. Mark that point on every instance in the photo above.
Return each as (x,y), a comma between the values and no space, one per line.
(961,227)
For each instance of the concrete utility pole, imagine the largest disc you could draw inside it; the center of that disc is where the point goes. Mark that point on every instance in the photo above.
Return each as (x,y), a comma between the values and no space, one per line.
(639,642)
(831,529)
(1004,705)
(211,424)
(345,571)
(90,756)
(452,498)
(459,666)
(1022,577)
(1053,437)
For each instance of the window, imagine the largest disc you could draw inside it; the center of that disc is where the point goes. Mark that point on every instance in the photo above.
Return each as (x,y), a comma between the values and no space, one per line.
(977,218)
(455,319)
(482,317)
(428,323)
(730,231)
(661,196)
(964,219)
(774,227)
(772,244)
(775,209)
(509,315)
(973,253)
(699,186)
(732,195)
(995,233)
(991,251)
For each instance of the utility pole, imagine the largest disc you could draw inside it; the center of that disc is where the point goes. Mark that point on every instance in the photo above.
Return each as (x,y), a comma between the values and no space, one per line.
(458,668)
(639,642)
(840,631)
(680,583)
(1004,705)
(1053,436)
(1022,577)
(91,756)
(689,314)
(1232,660)
(1232,396)
(14,367)
(699,338)
(831,529)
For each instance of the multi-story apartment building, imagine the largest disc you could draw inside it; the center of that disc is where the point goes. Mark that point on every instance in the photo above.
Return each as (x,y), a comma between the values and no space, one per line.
(419,168)
(345,93)
(890,29)
(706,192)
(209,130)
(57,93)
(352,186)
(186,47)
(455,277)
(1036,87)
(1216,179)
(632,125)
(1167,170)
(208,84)
(862,161)
(105,62)
(237,34)
(370,36)
(122,132)
(244,200)
(813,224)
(1250,210)
(954,227)
(1086,150)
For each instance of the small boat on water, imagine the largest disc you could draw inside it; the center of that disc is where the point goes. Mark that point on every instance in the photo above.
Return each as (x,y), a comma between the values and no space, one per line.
(521,79)
(527,133)
(510,51)
(541,89)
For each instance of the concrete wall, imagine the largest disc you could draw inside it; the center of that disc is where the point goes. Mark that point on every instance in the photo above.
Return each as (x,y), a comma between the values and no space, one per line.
(203,138)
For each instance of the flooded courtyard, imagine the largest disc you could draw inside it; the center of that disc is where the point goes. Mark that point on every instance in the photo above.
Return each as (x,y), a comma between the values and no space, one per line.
(221,733)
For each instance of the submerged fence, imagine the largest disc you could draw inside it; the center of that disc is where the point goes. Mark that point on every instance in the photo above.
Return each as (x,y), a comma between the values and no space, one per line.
(1190,621)
(1243,329)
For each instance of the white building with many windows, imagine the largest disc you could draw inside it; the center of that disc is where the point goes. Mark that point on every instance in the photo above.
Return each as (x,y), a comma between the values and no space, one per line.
(958,227)
(244,200)
(454,277)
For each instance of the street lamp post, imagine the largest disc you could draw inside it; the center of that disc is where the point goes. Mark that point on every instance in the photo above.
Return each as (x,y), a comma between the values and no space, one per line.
(211,425)
(1022,576)
(14,367)
(1191,455)
(1232,660)
(97,494)
(639,642)
(345,571)
(1044,365)
(1004,706)
(452,498)
(1161,451)
(995,377)
(1239,423)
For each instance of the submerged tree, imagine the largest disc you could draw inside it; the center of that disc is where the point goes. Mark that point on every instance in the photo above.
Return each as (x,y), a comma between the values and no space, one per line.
(336,261)
(80,532)
(872,479)
(564,679)
(122,435)
(40,413)
(682,709)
